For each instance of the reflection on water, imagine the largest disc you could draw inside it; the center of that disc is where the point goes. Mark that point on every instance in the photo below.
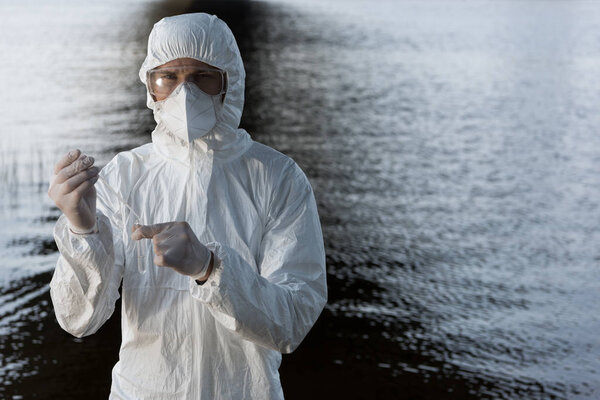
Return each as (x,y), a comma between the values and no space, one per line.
(453,154)
(70,78)
(453,151)
(39,360)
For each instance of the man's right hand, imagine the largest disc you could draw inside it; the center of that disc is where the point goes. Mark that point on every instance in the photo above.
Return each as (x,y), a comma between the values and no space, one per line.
(72,189)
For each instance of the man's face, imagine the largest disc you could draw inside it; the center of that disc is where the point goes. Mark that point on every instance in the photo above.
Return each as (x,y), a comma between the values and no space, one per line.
(163,79)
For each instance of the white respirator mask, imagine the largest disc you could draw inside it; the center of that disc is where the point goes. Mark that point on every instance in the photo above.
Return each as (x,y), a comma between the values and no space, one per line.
(188,112)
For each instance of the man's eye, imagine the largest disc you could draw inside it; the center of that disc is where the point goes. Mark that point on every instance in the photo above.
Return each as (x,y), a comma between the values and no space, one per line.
(168,76)
(207,75)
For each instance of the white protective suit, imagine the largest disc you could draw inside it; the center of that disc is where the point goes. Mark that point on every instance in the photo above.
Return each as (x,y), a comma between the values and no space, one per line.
(252,206)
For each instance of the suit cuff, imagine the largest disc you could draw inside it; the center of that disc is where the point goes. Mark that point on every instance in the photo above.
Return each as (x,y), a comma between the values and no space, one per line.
(93,229)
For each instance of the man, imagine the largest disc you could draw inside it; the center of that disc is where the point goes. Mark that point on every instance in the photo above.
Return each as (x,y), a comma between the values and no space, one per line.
(238,272)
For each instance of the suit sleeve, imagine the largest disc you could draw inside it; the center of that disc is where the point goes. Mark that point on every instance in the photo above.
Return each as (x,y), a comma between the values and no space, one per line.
(278,306)
(85,283)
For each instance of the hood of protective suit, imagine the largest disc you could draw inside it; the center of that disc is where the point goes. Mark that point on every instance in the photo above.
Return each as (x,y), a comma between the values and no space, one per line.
(208,39)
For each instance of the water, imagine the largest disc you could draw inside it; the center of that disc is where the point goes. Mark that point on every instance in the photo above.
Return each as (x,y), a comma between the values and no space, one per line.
(68,82)
(452,149)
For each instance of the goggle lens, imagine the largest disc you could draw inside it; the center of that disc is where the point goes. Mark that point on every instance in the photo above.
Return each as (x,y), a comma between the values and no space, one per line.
(162,81)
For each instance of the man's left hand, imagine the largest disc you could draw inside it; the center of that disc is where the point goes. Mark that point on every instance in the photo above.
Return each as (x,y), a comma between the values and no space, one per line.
(176,246)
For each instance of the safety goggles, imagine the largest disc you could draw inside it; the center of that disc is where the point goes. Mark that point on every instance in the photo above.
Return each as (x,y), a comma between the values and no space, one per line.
(162,81)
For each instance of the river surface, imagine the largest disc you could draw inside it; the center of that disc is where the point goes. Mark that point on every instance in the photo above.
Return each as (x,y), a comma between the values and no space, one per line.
(453,150)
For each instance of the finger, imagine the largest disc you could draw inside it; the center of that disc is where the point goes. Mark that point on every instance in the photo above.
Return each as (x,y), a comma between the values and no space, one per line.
(159,247)
(170,257)
(82,189)
(81,164)
(165,236)
(148,231)
(72,183)
(66,160)
(159,260)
